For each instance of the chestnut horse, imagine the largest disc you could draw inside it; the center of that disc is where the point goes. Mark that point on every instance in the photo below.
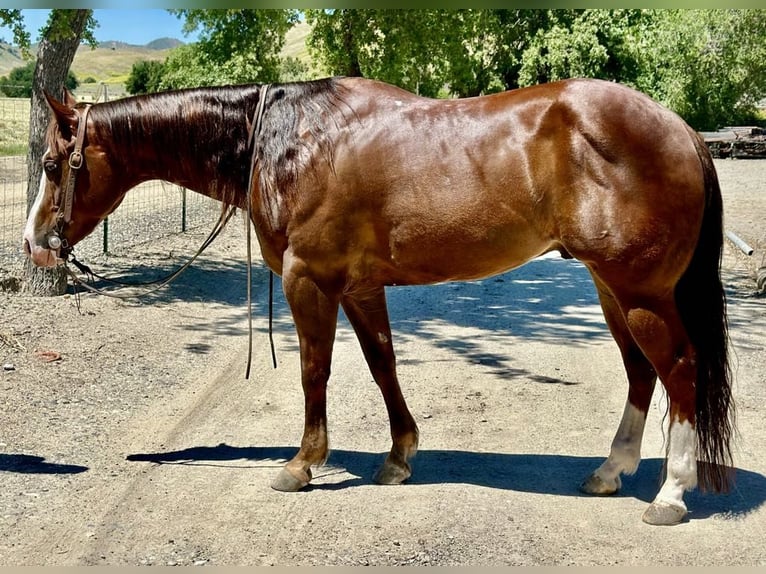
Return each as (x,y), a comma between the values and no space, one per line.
(358,185)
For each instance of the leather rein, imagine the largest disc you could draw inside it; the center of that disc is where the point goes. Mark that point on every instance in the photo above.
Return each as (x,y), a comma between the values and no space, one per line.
(64,217)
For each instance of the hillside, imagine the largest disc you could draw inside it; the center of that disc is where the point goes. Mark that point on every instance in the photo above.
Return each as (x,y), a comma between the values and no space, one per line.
(10,58)
(110,64)
(295,43)
(112,61)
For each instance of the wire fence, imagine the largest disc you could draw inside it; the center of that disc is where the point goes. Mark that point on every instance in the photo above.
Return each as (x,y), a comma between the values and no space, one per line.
(14,125)
(151,210)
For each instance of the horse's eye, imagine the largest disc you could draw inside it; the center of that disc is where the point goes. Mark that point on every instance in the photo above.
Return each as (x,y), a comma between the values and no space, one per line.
(50,166)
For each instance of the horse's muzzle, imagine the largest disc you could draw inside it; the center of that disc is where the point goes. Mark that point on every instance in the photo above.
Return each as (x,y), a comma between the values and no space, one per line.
(41,256)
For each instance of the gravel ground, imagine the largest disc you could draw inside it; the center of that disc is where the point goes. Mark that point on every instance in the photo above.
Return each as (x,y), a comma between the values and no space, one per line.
(130,437)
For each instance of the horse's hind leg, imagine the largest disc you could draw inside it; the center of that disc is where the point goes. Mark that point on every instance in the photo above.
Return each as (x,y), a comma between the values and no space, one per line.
(657,328)
(368,315)
(625,453)
(315,315)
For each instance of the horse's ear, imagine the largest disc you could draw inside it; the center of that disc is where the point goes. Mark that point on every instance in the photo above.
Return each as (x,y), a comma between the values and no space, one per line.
(64,113)
(69,98)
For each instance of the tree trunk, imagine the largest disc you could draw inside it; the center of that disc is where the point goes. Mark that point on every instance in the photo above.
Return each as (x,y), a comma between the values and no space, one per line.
(350,22)
(55,55)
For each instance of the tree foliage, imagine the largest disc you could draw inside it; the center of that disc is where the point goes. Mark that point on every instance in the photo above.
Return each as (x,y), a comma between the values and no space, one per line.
(471,52)
(707,65)
(235,46)
(145,77)
(403,47)
(18,82)
(15,21)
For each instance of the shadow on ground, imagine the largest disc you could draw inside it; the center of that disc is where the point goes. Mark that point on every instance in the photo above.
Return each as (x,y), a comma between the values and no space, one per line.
(536,473)
(32,464)
(547,299)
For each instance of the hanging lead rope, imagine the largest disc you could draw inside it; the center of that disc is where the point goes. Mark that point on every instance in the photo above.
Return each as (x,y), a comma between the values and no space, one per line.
(149,286)
(255,130)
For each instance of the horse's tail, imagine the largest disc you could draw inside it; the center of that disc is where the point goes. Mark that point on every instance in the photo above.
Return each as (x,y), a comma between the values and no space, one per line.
(701,302)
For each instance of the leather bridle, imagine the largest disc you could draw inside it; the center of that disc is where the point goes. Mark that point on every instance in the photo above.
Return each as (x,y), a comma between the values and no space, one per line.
(64,209)
(64,217)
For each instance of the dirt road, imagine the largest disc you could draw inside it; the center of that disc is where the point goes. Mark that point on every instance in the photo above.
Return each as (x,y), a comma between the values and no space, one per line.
(143,444)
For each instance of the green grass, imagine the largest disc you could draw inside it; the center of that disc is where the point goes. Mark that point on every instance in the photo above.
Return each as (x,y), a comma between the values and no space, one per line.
(13,149)
(14,126)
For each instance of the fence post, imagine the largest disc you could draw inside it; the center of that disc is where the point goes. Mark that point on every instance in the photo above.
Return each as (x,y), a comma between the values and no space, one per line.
(183,210)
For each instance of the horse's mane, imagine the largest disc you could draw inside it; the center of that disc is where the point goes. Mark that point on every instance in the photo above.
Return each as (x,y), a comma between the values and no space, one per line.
(206,130)
(298,132)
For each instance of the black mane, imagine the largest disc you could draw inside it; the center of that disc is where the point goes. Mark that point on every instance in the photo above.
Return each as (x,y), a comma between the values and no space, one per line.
(204,131)
(298,131)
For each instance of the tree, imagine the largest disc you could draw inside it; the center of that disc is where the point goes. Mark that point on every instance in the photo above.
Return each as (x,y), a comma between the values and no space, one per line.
(403,47)
(18,82)
(335,38)
(235,46)
(707,65)
(145,77)
(471,41)
(14,20)
(582,43)
(293,70)
(60,39)
(515,29)
(431,52)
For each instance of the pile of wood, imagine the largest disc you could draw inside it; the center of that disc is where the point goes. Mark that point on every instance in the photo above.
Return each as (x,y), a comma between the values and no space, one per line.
(739,142)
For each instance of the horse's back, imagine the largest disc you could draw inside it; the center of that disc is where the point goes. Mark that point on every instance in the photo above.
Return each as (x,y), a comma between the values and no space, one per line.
(432,190)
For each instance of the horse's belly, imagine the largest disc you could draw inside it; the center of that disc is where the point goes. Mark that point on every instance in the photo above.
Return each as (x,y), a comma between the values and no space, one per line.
(423,254)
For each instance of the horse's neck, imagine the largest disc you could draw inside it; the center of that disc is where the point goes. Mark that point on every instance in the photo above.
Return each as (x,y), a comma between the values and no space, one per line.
(205,166)
(210,162)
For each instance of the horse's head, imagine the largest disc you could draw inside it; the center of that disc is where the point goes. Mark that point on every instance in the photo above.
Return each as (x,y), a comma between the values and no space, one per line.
(75,188)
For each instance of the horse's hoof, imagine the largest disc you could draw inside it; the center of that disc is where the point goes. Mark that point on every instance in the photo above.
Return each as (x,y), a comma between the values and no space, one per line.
(391,473)
(286,481)
(663,514)
(594,484)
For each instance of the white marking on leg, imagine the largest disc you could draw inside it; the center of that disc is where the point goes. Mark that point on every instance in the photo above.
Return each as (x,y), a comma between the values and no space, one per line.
(625,453)
(626,446)
(681,464)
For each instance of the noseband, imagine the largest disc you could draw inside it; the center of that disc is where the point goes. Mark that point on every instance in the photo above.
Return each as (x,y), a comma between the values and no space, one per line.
(64,210)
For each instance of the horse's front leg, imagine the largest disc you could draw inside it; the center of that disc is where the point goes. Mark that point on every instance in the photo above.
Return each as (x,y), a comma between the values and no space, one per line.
(315,314)
(368,314)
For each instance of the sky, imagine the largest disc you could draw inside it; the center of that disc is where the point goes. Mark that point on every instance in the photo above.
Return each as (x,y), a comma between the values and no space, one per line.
(137,27)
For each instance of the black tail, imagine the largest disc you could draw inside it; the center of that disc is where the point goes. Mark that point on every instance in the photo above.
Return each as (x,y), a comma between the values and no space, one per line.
(702,304)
